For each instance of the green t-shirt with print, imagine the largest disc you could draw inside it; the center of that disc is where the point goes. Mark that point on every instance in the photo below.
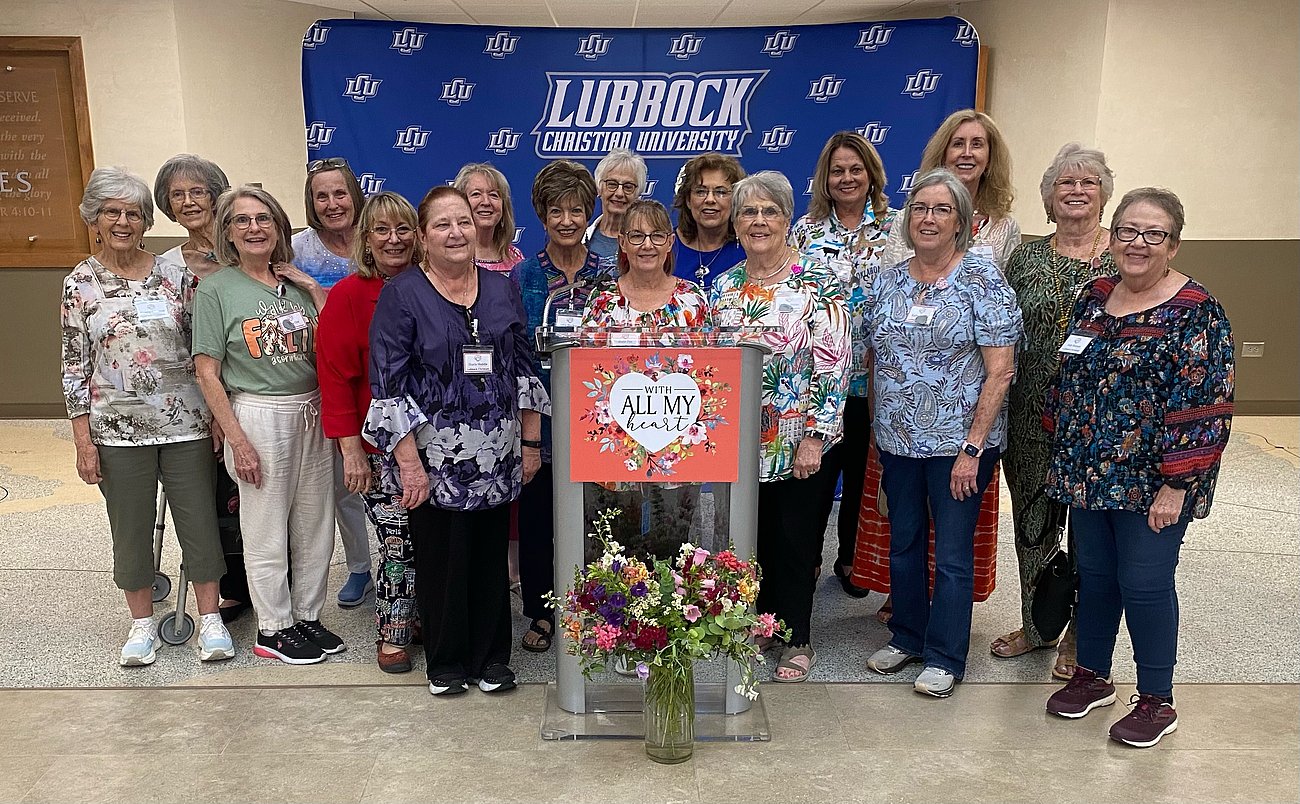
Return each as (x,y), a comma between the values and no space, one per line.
(265,337)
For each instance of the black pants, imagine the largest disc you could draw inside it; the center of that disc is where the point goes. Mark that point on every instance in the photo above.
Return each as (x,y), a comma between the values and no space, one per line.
(537,544)
(851,461)
(234,584)
(789,547)
(462,587)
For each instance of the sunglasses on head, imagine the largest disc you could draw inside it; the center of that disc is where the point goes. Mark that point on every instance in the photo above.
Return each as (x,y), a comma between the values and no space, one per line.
(326,164)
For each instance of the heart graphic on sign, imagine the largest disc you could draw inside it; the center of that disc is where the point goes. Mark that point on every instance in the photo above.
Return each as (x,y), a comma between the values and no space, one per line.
(654,412)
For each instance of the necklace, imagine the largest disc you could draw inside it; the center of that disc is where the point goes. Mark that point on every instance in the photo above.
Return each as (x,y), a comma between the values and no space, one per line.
(1092,251)
(703,270)
(781,266)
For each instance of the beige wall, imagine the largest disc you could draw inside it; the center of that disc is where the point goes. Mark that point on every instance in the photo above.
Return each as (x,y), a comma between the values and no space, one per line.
(217,78)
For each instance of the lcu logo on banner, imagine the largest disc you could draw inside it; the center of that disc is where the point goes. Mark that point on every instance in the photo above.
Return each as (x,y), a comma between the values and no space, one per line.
(408,103)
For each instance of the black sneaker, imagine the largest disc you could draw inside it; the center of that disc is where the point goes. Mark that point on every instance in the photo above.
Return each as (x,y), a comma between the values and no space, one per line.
(288,646)
(497,678)
(320,636)
(448,685)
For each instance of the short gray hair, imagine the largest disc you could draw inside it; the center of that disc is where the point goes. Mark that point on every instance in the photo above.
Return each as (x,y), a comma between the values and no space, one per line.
(622,158)
(224,248)
(1074,156)
(1159,197)
(765,183)
(187,166)
(107,183)
(961,201)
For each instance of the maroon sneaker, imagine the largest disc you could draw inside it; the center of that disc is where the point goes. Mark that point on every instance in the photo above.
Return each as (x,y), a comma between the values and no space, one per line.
(1082,694)
(1152,717)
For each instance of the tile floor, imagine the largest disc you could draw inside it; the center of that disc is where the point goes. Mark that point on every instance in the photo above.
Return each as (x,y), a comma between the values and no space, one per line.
(79,728)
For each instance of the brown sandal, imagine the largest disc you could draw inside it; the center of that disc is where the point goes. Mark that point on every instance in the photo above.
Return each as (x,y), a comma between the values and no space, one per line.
(1015,644)
(1067,657)
(886,611)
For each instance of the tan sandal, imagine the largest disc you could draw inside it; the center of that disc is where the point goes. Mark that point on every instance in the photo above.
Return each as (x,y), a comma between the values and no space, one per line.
(1067,657)
(886,611)
(1015,644)
(788,663)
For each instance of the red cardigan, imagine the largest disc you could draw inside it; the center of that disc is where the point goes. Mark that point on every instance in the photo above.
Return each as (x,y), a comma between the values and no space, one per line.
(343,355)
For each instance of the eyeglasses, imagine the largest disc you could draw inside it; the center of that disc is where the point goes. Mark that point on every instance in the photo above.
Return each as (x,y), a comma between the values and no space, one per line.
(326,164)
(614,186)
(768,212)
(194,193)
(636,238)
(939,210)
(382,232)
(1087,183)
(720,193)
(262,219)
(112,214)
(1152,237)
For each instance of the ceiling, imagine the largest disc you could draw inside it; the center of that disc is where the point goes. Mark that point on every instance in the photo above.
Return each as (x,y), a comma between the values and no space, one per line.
(636,13)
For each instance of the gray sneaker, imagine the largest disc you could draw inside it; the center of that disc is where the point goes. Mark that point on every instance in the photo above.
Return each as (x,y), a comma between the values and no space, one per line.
(935,681)
(889,660)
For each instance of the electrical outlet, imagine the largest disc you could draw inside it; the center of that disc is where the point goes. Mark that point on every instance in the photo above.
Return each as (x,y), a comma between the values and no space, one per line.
(1252,349)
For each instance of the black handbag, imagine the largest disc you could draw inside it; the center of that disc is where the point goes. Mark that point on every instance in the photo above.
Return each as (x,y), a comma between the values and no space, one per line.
(1055,588)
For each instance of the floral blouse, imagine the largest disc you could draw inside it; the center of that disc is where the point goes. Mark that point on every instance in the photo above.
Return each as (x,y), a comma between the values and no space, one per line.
(126,355)
(467,428)
(995,240)
(928,376)
(1148,400)
(608,307)
(854,256)
(803,377)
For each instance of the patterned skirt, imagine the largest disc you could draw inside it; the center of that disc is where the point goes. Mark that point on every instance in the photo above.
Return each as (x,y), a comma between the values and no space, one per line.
(871,556)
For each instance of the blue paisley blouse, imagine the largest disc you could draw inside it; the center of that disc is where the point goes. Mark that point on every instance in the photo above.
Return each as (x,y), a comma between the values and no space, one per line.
(1148,400)
(927,378)
(467,428)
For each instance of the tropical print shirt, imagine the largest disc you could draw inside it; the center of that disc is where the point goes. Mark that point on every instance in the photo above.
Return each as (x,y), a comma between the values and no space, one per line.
(803,377)
(608,307)
(537,278)
(1148,400)
(854,256)
(126,355)
(467,428)
(928,375)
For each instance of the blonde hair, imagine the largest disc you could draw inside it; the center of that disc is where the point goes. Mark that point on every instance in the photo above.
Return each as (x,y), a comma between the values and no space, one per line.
(390,206)
(819,208)
(504,233)
(995,193)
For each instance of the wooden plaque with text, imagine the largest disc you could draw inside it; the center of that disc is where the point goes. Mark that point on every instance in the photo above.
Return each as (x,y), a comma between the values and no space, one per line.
(45,152)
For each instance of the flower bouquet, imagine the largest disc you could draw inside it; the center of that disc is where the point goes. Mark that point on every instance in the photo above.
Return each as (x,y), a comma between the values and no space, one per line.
(660,617)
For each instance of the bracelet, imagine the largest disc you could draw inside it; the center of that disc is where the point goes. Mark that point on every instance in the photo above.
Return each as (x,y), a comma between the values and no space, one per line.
(530,443)
(1176,485)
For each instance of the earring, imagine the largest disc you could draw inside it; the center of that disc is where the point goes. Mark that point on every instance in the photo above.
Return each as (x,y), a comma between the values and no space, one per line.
(98,241)
(1101,215)
(367,257)
(1051,217)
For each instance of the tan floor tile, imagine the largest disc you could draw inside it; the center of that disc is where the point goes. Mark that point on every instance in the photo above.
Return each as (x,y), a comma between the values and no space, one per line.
(806,715)
(20,774)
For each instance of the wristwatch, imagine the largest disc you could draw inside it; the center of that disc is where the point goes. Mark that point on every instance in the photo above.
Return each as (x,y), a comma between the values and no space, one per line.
(971,450)
(820,436)
(534,444)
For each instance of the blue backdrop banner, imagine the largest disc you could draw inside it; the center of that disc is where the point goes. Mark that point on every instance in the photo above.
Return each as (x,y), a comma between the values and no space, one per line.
(407,104)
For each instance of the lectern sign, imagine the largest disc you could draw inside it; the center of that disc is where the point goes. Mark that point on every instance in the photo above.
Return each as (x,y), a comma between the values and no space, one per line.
(654,415)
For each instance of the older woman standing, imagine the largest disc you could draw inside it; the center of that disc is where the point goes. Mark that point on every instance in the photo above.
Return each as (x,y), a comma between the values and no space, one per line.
(186,191)
(620,180)
(564,196)
(647,294)
(1047,275)
(845,230)
(457,402)
(323,251)
(255,345)
(706,235)
(803,400)
(385,247)
(944,325)
(137,415)
(494,216)
(1140,415)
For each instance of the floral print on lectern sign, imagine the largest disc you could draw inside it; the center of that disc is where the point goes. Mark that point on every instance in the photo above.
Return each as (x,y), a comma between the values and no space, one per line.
(654,415)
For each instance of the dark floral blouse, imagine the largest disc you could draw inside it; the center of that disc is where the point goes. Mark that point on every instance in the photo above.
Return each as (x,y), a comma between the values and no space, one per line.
(1147,401)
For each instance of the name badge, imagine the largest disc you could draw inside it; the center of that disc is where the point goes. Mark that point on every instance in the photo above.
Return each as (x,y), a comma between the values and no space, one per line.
(1076,343)
(624,339)
(292,322)
(476,360)
(921,315)
(983,250)
(152,309)
(568,320)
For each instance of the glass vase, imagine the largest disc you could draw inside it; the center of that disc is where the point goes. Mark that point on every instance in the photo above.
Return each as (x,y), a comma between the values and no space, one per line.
(670,713)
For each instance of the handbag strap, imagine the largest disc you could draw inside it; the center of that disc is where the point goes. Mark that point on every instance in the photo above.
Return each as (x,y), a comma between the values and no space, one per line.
(1055,522)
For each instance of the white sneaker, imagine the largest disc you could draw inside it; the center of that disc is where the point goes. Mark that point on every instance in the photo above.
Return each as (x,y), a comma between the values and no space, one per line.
(214,640)
(141,644)
(935,681)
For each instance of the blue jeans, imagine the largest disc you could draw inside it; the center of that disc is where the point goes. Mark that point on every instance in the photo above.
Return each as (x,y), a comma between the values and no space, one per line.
(1127,568)
(935,628)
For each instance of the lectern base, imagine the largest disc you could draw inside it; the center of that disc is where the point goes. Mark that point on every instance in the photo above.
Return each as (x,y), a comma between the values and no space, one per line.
(614,713)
